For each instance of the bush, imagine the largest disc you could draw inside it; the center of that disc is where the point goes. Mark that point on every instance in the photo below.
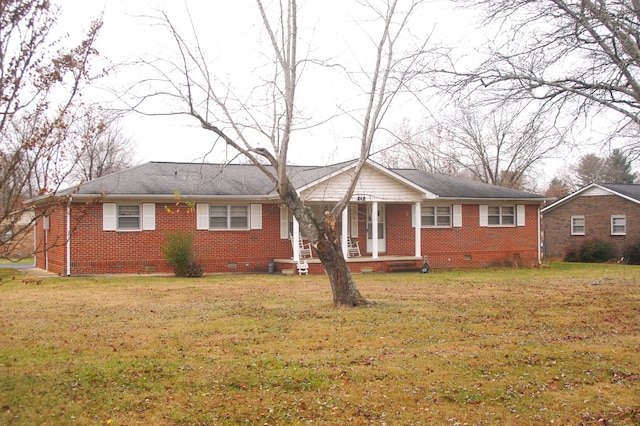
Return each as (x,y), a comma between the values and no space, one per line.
(632,254)
(591,251)
(178,252)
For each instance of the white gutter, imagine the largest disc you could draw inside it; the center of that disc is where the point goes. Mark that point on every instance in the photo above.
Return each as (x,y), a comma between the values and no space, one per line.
(539,238)
(68,238)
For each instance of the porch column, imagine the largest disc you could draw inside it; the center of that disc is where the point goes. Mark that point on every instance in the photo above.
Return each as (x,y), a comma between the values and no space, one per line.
(374,230)
(345,230)
(295,242)
(418,223)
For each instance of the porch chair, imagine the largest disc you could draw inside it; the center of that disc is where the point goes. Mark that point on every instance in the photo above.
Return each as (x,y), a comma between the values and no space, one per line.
(305,248)
(303,267)
(353,248)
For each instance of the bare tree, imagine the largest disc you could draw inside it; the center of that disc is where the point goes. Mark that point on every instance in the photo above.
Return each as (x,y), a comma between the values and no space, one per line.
(579,58)
(105,149)
(423,148)
(502,145)
(558,188)
(40,81)
(498,145)
(262,130)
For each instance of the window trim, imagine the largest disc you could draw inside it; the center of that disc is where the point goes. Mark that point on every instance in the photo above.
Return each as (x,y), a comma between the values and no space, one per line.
(119,216)
(573,225)
(618,216)
(501,215)
(435,216)
(229,217)
(110,217)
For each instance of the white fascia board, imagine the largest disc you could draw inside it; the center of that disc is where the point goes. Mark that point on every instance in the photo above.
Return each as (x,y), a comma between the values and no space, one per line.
(579,193)
(381,169)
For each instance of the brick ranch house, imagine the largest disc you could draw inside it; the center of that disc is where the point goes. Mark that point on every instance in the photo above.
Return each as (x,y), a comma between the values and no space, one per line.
(610,212)
(118,223)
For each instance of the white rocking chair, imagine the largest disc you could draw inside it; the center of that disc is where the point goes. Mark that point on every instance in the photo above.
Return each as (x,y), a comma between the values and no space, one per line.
(305,248)
(303,267)
(353,248)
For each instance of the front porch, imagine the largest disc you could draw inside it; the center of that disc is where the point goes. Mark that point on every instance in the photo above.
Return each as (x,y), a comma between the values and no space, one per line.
(357,265)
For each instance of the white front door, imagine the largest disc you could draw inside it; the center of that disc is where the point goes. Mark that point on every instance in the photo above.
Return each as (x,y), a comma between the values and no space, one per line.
(382,237)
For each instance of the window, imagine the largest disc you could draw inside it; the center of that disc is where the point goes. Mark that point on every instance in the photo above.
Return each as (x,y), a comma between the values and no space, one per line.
(436,216)
(577,225)
(618,225)
(501,216)
(228,217)
(128,217)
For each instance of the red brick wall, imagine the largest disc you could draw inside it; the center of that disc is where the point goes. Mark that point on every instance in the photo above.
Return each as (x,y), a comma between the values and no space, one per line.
(597,211)
(50,244)
(469,245)
(94,251)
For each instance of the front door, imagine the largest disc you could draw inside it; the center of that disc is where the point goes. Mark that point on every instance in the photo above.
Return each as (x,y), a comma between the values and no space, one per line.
(382,239)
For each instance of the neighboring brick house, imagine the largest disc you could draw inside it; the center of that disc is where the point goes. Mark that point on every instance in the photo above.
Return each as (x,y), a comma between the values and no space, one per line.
(610,212)
(118,223)
(17,236)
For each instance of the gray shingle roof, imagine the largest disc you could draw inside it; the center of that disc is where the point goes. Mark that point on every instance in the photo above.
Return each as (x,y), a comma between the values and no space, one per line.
(197,179)
(628,189)
(452,187)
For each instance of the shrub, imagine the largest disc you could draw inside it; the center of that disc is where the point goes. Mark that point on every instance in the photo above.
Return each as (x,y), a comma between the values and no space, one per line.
(592,250)
(632,254)
(178,252)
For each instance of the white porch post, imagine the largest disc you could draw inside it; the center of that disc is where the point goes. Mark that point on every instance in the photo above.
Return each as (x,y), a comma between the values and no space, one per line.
(345,230)
(418,229)
(374,230)
(296,240)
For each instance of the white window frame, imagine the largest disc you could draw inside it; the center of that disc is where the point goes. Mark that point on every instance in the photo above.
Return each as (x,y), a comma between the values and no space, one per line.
(575,228)
(204,211)
(614,225)
(111,217)
(229,216)
(120,216)
(435,214)
(501,215)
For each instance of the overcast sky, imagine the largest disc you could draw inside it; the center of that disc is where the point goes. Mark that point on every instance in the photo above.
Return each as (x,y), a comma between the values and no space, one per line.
(229,30)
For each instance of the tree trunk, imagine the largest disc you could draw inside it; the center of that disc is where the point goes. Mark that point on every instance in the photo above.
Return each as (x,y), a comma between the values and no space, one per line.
(323,235)
(345,292)
(328,247)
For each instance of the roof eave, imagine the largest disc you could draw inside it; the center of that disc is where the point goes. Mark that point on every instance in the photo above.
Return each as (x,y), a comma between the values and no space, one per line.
(170,197)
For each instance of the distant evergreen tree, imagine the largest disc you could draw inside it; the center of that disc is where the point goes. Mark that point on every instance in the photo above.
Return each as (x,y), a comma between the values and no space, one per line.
(616,168)
(590,170)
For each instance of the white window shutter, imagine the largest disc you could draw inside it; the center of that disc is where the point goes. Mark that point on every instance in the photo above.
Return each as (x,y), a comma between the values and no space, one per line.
(256,216)
(109,217)
(354,221)
(457,215)
(520,214)
(484,215)
(148,216)
(202,211)
(284,222)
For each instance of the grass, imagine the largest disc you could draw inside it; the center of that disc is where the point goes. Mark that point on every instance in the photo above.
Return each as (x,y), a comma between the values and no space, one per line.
(25,261)
(554,345)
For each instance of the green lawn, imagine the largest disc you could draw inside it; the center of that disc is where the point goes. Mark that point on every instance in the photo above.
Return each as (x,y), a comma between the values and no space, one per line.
(27,261)
(554,345)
